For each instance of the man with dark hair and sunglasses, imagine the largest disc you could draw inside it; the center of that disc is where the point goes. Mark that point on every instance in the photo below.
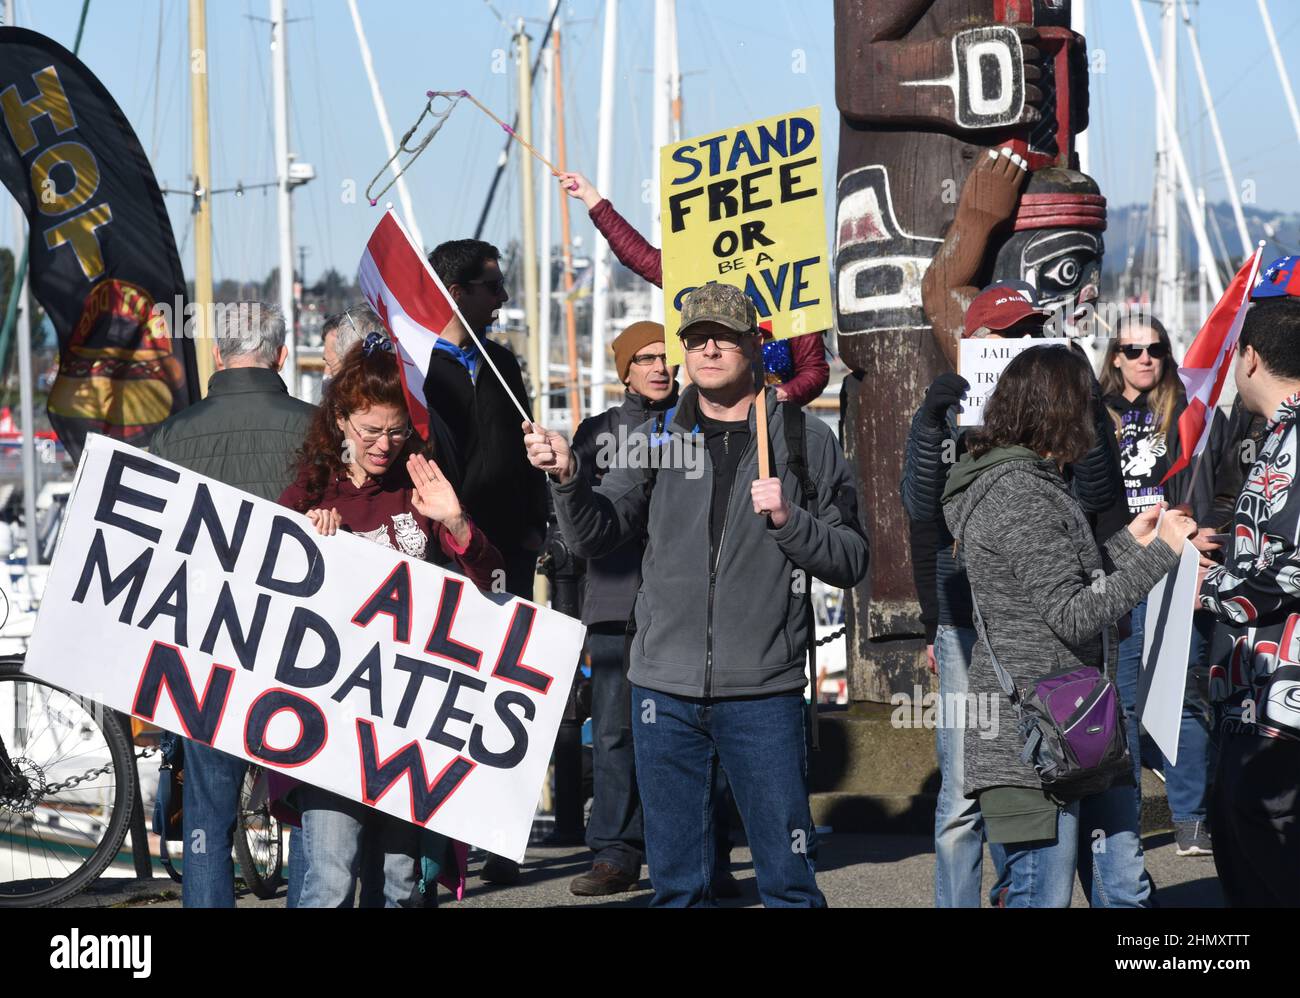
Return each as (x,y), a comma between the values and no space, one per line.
(502,493)
(717,664)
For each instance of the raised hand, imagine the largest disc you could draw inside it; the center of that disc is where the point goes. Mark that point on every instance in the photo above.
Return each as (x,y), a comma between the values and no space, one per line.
(577,186)
(434,497)
(992,189)
(326,521)
(549,451)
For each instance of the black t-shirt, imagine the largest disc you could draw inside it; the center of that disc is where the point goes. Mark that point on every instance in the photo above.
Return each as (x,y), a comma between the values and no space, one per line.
(1143,453)
(726,442)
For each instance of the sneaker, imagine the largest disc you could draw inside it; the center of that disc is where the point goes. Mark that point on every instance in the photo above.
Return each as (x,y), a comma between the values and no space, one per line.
(602,879)
(499,870)
(1193,838)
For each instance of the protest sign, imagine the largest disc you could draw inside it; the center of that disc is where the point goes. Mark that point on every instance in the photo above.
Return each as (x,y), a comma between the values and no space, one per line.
(227,619)
(1166,644)
(981,362)
(746,207)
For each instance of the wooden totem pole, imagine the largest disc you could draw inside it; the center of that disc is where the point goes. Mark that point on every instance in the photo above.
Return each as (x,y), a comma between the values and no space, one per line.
(925,88)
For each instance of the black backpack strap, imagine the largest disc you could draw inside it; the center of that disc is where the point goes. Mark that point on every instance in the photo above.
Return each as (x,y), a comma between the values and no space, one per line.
(796,448)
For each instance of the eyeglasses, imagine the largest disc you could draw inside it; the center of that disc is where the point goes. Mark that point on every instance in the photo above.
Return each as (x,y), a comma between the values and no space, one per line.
(494,284)
(1157,351)
(695,342)
(650,359)
(396,437)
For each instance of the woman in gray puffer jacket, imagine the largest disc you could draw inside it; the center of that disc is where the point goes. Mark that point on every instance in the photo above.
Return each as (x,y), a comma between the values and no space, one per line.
(1046,593)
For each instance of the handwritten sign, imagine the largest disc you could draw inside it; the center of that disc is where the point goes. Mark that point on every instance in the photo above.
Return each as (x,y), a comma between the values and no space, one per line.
(226,618)
(981,362)
(746,207)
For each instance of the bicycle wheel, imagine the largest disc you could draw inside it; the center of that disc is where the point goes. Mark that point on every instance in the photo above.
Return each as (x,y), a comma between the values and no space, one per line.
(65,809)
(258,837)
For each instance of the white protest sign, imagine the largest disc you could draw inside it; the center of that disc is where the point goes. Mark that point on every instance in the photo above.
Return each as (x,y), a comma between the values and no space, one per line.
(1166,644)
(981,361)
(342,663)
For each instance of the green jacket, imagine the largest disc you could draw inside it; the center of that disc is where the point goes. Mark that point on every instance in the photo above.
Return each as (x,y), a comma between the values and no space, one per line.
(246,432)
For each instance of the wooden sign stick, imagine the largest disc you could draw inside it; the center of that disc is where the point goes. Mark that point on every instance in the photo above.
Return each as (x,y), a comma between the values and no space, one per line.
(760,423)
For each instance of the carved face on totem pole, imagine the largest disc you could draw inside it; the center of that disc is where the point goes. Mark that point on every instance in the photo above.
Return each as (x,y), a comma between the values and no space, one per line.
(1056,243)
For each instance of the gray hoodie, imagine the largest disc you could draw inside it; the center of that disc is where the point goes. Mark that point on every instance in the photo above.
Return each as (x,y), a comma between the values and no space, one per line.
(1042,588)
(738,627)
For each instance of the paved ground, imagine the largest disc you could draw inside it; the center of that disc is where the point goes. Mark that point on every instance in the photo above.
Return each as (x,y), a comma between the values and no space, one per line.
(890,871)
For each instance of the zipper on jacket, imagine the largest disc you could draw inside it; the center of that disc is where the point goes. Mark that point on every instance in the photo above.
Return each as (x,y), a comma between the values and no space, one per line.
(713,579)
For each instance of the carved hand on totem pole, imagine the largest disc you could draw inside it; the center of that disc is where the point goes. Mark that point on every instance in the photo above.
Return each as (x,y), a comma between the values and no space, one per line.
(988,201)
(977,77)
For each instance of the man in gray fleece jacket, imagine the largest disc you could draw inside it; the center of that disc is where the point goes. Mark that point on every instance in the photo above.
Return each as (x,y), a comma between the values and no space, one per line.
(717,663)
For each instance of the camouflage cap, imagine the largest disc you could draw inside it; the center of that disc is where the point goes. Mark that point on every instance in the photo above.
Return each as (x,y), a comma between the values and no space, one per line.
(724,304)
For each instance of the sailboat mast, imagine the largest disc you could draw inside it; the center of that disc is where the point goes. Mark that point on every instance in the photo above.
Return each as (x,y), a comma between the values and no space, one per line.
(1168,285)
(662,94)
(1281,66)
(26,401)
(545,270)
(280,83)
(566,249)
(381,112)
(604,180)
(525,131)
(202,170)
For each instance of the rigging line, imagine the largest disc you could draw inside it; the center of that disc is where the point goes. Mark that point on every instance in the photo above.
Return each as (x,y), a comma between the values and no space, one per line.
(1256,62)
(331,130)
(313,202)
(726,63)
(468,168)
(157,84)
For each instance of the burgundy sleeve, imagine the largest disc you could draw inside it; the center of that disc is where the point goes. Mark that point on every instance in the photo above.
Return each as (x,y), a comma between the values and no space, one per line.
(479,560)
(629,246)
(811,372)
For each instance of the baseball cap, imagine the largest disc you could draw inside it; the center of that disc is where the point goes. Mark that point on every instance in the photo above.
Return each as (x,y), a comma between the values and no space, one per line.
(1001,306)
(724,304)
(1279,279)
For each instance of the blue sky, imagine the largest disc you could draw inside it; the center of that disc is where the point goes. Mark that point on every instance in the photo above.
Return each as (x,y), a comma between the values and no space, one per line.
(741,60)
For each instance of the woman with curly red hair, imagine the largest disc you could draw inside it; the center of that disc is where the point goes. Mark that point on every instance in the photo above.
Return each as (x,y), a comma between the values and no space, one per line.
(361,469)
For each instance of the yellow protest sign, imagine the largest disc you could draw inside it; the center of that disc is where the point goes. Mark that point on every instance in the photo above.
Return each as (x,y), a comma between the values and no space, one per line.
(746,207)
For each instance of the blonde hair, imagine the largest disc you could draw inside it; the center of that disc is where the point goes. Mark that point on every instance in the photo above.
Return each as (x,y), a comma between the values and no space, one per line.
(1164,397)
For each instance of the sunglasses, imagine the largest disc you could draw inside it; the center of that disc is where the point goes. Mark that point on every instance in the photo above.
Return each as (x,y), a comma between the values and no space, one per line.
(1157,351)
(695,342)
(495,285)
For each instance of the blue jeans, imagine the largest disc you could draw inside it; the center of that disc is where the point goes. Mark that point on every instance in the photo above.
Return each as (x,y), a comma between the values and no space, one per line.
(958,825)
(760,743)
(332,848)
(212,783)
(614,831)
(1186,782)
(1041,874)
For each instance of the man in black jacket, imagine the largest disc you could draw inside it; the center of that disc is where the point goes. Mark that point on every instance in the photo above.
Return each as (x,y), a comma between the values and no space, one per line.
(614,831)
(503,494)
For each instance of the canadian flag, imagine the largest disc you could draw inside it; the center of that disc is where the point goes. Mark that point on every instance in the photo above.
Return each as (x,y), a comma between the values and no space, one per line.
(1209,358)
(408,297)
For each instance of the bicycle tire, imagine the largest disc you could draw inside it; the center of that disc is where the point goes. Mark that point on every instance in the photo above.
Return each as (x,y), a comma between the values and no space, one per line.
(123,793)
(263,883)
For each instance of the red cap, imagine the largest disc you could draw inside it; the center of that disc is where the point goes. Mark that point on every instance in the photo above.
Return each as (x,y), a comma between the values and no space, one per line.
(999,307)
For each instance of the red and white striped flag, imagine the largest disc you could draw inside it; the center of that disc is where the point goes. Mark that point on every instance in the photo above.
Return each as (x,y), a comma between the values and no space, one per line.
(1205,368)
(405,293)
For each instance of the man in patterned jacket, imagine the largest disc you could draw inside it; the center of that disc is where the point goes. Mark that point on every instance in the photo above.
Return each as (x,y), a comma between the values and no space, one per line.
(1255,672)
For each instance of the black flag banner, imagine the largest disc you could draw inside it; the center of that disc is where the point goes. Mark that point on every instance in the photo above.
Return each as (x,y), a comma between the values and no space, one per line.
(102,251)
